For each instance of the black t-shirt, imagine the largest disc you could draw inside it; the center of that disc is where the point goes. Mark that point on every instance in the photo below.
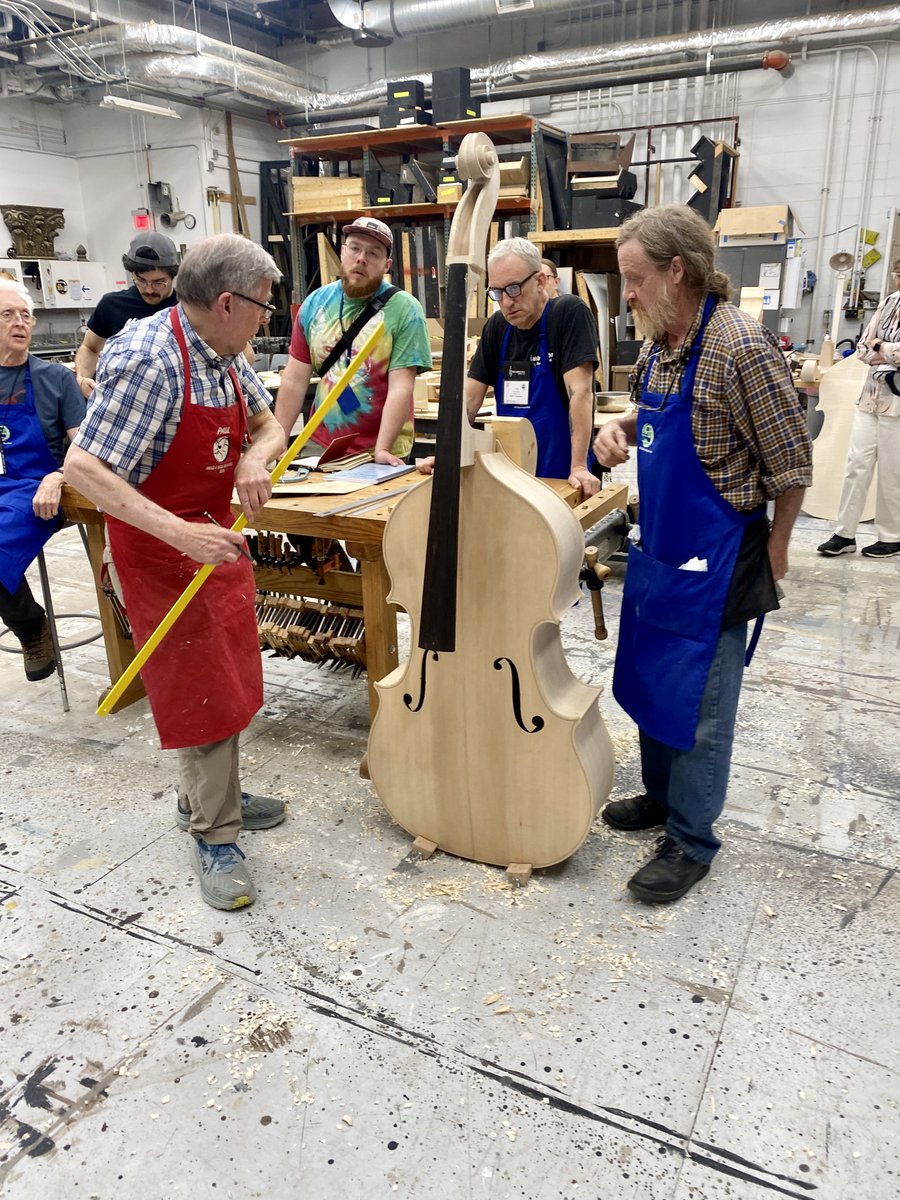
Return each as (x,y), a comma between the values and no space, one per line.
(117,308)
(571,340)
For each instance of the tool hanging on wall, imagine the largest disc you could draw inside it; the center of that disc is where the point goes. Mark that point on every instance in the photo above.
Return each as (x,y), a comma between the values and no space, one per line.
(213,196)
(238,209)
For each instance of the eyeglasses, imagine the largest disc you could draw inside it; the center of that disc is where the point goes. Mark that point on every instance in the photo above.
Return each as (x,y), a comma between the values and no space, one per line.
(654,401)
(371,254)
(264,304)
(150,285)
(9,316)
(513,290)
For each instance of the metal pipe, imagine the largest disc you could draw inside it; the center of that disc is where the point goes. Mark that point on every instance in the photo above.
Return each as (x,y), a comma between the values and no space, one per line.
(560,86)
(825,190)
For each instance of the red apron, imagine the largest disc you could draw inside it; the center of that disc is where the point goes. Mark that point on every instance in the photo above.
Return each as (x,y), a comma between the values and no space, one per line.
(204,680)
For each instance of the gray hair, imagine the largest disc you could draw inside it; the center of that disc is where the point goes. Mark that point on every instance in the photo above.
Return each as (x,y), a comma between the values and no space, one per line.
(223,263)
(527,251)
(675,229)
(19,289)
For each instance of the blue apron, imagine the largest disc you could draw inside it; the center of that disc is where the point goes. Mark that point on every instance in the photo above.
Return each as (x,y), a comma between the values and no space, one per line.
(671,618)
(27,459)
(545,409)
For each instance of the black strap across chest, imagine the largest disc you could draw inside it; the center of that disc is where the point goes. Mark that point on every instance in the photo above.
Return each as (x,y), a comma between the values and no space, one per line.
(375,305)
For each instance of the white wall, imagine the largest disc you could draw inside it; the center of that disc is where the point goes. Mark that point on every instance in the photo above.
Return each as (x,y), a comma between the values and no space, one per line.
(95,163)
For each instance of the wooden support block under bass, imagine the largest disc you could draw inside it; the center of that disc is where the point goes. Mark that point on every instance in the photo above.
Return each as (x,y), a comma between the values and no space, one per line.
(518,874)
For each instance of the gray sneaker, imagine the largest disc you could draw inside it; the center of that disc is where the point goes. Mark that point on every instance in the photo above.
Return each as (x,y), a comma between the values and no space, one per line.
(837,545)
(257,812)
(224,879)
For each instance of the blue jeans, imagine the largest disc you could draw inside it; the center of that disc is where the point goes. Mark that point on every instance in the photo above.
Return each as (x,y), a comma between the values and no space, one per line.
(691,784)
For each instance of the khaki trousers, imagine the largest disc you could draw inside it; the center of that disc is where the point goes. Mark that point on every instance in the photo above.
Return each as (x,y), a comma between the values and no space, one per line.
(211,788)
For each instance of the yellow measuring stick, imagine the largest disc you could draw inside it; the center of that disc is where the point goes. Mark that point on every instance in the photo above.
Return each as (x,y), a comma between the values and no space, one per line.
(203,573)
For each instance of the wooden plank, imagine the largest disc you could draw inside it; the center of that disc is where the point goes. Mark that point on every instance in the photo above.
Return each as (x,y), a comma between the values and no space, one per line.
(432,286)
(329,260)
(381,618)
(238,209)
(226,196)
(407,263)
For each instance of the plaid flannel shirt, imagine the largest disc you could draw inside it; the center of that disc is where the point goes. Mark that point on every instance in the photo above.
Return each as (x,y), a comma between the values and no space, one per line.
(749,427)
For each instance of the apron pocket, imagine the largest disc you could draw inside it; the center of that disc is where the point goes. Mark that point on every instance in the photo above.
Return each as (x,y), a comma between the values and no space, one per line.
(676,601)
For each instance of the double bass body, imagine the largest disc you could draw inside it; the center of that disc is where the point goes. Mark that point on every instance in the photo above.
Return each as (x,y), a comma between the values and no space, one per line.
(495,752)
(484,742)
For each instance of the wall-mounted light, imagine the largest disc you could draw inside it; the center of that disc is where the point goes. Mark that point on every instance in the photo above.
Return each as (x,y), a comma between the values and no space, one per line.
(155,110)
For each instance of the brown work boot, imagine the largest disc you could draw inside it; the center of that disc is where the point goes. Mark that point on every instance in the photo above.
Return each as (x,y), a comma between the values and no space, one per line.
(40,661)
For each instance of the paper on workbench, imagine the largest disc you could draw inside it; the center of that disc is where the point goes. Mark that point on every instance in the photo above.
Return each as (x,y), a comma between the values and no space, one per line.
(321,485)
(377,472)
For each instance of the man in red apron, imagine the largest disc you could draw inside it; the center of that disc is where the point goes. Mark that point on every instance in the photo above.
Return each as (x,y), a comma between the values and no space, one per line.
(177,422)
(40,410)
(720,432)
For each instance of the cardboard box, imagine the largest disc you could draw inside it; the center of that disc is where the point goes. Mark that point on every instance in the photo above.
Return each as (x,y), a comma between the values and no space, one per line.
(763,225)
(449,193)
(599,154)
(622,185)
(326,194)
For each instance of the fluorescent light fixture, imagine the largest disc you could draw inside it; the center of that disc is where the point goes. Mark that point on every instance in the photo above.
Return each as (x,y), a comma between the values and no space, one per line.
(155,110)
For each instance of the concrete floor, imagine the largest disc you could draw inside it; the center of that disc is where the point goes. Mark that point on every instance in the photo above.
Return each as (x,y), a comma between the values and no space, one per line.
(378,1026)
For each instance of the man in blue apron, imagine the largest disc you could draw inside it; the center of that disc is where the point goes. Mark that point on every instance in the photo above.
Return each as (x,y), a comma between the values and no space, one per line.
(720,432)
(539,356)
(40,410)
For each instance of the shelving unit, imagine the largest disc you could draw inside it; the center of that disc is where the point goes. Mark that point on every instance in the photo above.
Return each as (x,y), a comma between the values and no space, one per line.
(360,150)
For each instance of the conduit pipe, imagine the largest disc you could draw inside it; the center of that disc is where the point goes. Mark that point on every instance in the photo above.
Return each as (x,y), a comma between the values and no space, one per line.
(825,190)
(867,172)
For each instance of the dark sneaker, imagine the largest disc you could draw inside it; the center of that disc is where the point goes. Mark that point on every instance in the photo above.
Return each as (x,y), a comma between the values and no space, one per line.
(838,545)
(258,812)
(637,812)
(668,875)
(224,879)
(881,550)
(40,661)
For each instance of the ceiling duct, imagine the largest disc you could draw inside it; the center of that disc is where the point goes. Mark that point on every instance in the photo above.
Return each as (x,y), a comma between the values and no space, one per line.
(165,59)
(408,18)
(833,28)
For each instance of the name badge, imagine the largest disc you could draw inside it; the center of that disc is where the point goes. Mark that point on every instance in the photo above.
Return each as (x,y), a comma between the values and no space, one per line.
(516,381)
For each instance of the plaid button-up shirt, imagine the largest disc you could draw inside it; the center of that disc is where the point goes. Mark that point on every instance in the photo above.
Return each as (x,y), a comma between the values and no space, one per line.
(749,428)
(134,411)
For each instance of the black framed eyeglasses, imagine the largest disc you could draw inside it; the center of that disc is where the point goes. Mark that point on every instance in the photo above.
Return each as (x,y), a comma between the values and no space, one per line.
(513,290)
(264,304)
(656,401)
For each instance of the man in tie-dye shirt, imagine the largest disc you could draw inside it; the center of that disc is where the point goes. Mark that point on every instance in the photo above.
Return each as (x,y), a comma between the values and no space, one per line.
(377,406)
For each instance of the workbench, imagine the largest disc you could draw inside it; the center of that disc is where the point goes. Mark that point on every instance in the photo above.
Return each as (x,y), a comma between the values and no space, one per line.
(362,534)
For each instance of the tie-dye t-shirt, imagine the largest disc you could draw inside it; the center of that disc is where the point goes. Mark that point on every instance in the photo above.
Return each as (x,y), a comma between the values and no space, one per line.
(324,315)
